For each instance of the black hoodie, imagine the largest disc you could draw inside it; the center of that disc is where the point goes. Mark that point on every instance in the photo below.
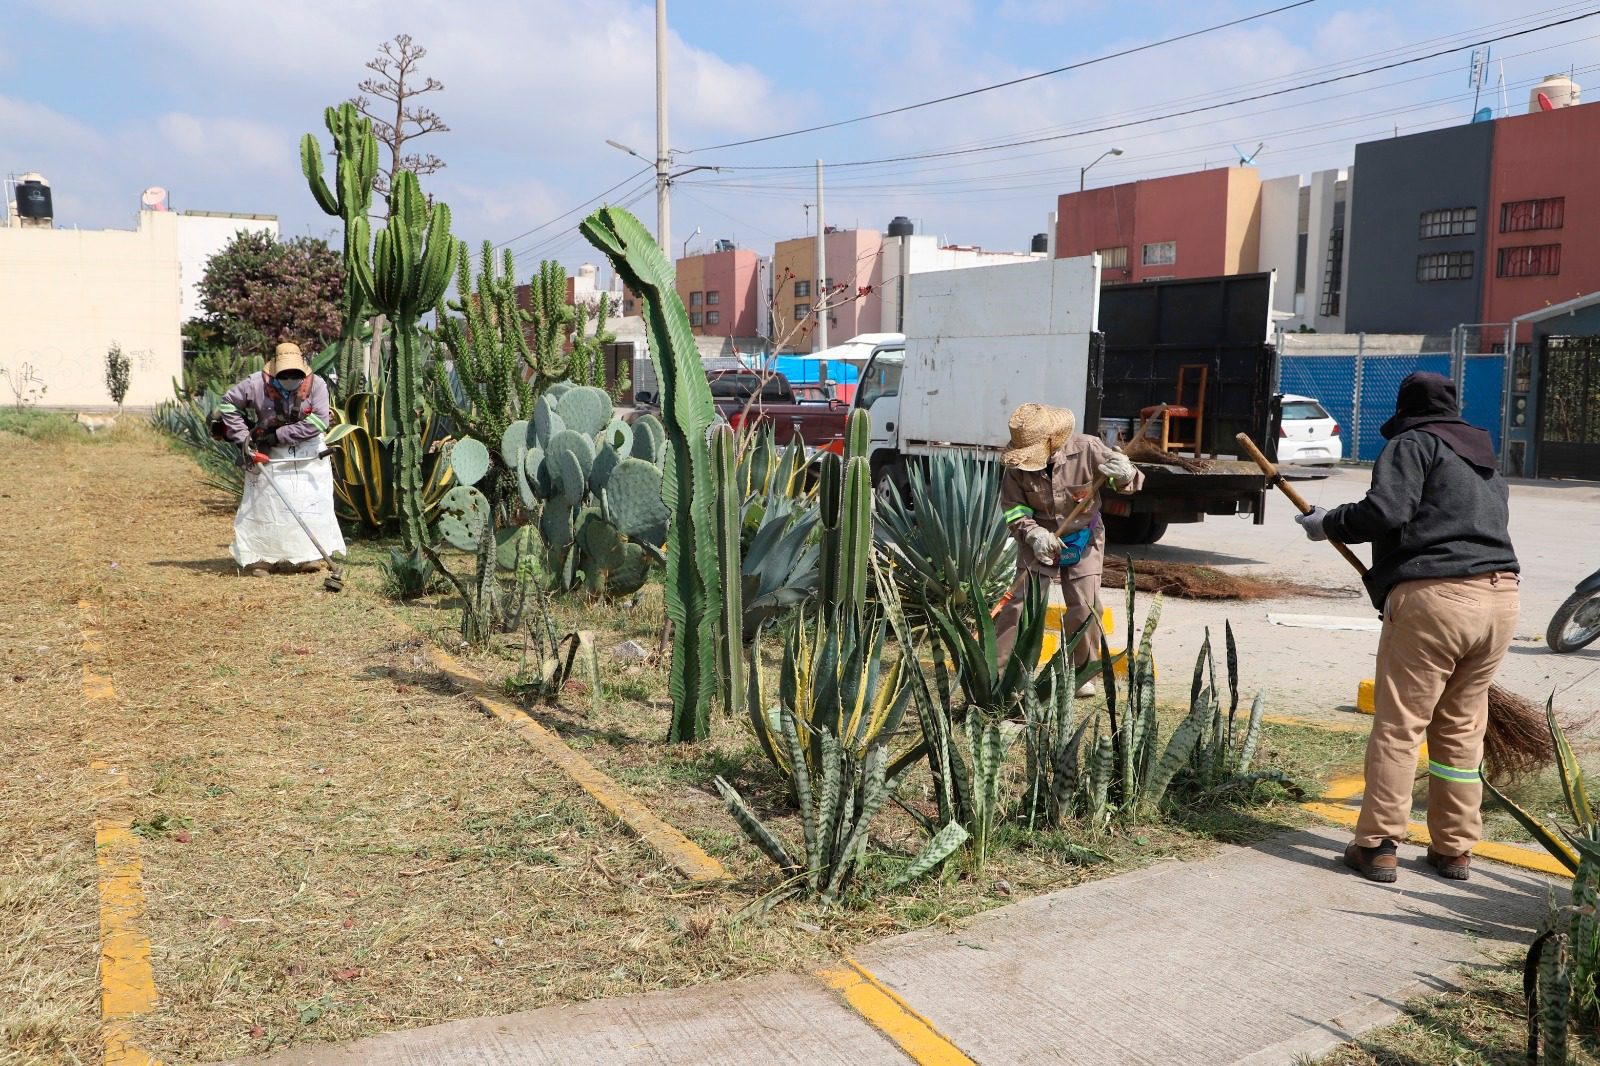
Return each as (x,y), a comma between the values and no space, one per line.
(1437,507)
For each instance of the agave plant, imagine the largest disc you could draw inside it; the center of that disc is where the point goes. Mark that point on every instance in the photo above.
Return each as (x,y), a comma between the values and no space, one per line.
(840,791)
(1569,969)
(947,536)
(366,483)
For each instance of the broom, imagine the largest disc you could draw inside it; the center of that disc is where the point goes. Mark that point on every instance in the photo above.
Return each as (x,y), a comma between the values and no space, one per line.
(1517,740)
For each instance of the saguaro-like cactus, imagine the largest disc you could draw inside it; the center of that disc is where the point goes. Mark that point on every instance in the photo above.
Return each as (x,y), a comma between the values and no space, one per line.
(356,152)
(693,583)
(412,259)
(730,517)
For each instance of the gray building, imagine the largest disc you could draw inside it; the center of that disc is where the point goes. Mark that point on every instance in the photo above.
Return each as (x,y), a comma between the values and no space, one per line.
(1418,224)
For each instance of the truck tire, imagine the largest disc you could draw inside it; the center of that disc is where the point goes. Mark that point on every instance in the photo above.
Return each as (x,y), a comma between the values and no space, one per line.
(1134,528)
(889,479)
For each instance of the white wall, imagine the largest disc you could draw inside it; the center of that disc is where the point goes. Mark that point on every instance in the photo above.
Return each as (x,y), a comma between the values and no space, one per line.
(1280,233)
(202,235)
(66,295)
(1317,245)
(920,254)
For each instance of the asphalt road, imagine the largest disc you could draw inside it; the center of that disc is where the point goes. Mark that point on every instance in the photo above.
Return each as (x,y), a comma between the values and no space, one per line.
(1312,672)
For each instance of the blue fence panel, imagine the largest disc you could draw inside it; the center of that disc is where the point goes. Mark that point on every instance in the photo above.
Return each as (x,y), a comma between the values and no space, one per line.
(806,370)
(1328,379)
(1381,376)
(1483,393)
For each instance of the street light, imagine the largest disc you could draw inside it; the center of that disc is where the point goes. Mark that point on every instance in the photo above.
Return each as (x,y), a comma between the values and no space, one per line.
(1082,171)
(664,181)
(691,237)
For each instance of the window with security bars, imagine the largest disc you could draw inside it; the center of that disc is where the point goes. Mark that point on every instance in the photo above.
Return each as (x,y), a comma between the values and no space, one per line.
(802,288)
(1519,215)
(1529,261)
(1444,266)
(1449,222)
(713,317)
(1113,258)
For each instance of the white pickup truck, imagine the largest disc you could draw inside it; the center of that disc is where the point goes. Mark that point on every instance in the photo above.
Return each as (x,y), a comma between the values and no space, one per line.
(980,341)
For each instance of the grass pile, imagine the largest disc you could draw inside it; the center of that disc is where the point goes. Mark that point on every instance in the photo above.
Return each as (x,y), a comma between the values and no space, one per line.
(1193,582)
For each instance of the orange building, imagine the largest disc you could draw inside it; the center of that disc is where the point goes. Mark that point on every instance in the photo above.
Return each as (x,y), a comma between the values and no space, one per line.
(1195,225)
(851,259)
(718,290)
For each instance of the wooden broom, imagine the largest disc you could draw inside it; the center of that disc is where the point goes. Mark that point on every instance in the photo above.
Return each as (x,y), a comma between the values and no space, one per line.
(1517,740)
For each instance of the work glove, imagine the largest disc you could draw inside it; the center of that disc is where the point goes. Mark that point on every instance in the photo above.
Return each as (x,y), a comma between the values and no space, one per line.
(249,456)
(1118,469)
(1045,545)
(1312,523)
(264,436)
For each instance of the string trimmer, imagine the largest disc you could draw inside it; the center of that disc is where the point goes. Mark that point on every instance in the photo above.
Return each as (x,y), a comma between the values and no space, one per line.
(1518,739)
(335,579)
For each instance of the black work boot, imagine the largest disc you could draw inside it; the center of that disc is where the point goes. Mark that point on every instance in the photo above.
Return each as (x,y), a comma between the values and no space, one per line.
(1379,864)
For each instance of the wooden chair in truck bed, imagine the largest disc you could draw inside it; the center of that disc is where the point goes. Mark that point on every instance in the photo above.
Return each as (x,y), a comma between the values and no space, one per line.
(1183,412)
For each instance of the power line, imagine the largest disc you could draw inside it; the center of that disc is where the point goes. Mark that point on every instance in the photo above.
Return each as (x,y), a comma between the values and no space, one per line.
(1007,84)
(1175,114)
(572,210)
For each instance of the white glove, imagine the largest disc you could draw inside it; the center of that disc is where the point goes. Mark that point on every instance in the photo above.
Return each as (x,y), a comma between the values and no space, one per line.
(1118,469)
(1312,523)
(1045,545)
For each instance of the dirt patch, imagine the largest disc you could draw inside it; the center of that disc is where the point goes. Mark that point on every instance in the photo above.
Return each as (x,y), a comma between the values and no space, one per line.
(1192,582)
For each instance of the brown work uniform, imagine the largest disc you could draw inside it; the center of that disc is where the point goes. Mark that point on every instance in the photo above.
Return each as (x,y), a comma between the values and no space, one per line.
(1033,498)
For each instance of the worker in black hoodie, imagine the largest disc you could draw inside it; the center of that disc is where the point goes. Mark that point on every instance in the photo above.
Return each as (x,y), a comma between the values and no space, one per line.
(1445,578)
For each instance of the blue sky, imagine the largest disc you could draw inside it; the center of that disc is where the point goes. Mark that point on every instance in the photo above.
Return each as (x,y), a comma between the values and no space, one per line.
(209,98)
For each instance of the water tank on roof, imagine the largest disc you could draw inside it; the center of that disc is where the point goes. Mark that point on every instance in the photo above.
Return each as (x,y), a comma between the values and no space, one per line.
(725,245)
(1041,243)
(588,270)
(900,226)
(1559,89)
(33,200)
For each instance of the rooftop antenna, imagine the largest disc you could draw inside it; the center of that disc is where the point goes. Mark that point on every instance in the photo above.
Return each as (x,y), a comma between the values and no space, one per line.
(1247,160)
(808,216)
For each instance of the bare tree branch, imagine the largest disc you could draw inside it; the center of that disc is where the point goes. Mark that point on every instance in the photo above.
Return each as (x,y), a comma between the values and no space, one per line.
(394,92)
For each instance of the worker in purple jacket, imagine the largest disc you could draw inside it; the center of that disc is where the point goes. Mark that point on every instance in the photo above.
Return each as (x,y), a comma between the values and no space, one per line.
(278,417)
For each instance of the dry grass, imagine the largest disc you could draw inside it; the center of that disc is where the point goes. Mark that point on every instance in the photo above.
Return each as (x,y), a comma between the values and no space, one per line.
(1481,1024)
(1193,582)
(335,844)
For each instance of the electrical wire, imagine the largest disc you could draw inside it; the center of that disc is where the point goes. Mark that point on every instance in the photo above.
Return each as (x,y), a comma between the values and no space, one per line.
(1172,114)
(573,210)
(1007,84)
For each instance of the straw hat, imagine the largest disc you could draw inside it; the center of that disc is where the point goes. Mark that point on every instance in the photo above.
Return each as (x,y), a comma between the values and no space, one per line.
(287,357)
(1036,432)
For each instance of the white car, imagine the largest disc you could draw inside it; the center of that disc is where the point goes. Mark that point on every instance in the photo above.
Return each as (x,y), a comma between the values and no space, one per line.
(1308,434)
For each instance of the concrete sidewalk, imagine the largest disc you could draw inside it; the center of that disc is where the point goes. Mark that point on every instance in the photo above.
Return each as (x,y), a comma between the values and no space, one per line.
(1254,956)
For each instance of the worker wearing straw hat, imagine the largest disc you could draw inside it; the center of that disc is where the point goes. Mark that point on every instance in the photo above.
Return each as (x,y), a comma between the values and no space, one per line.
(279,416)
(1049,470)
(1445,576)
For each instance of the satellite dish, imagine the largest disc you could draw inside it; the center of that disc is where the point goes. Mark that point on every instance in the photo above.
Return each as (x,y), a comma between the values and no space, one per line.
(154,199)
(1247,160)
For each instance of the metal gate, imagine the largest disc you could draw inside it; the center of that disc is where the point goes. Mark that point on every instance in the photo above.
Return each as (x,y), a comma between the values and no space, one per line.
(1569,408)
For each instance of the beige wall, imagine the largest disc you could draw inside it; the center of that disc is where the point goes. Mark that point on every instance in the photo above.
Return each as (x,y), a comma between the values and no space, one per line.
(1243,247)
(67,295)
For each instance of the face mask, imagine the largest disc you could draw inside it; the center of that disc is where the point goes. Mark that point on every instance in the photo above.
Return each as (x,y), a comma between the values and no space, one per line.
(286,386)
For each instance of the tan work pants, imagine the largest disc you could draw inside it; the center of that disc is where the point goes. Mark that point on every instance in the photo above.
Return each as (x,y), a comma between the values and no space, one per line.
(1442,642)
(1082,595)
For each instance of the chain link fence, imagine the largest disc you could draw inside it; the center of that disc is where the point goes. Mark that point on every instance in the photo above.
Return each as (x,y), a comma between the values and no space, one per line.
(1355,376)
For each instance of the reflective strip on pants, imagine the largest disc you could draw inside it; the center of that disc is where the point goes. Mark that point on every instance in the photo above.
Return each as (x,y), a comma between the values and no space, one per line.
(1453,773)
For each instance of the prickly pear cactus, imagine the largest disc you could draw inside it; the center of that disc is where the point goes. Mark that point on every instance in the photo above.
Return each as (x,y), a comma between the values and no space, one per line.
(462,514)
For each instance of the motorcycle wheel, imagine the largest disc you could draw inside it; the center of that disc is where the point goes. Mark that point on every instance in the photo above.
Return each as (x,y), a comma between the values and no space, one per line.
(1576,623)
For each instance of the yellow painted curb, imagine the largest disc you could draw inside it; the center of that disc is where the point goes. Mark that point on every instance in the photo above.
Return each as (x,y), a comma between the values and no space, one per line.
(127,980)
(688,857)
(1367,697)
(1055,613)
(891,1015)
(1335,806)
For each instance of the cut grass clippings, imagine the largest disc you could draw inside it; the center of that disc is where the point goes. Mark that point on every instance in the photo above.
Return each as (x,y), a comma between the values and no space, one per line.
(1193,582)
(336,843)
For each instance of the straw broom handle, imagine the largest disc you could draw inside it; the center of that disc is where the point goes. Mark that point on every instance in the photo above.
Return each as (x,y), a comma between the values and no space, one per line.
(1275,478)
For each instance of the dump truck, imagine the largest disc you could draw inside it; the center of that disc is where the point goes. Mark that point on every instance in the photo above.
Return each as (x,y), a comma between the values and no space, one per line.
(979,341)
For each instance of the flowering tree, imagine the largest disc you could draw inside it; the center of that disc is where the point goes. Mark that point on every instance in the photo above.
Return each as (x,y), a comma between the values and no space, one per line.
(258,292)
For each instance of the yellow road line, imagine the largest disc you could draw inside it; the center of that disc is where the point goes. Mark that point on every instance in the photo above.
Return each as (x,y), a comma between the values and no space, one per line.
(690,859)
(891,1015)
(127,981)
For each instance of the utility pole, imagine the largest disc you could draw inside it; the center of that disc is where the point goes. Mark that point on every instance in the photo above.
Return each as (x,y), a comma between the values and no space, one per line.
(663,161)
(820,337)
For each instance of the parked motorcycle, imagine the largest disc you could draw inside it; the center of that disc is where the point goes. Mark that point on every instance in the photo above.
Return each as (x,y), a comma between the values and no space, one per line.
(1576,623)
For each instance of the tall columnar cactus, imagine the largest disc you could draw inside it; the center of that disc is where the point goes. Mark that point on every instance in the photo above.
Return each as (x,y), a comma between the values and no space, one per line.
(489,349)
(730,520)
(552,320)
(846,501)
(356,153)
(412,259)
(693,582)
